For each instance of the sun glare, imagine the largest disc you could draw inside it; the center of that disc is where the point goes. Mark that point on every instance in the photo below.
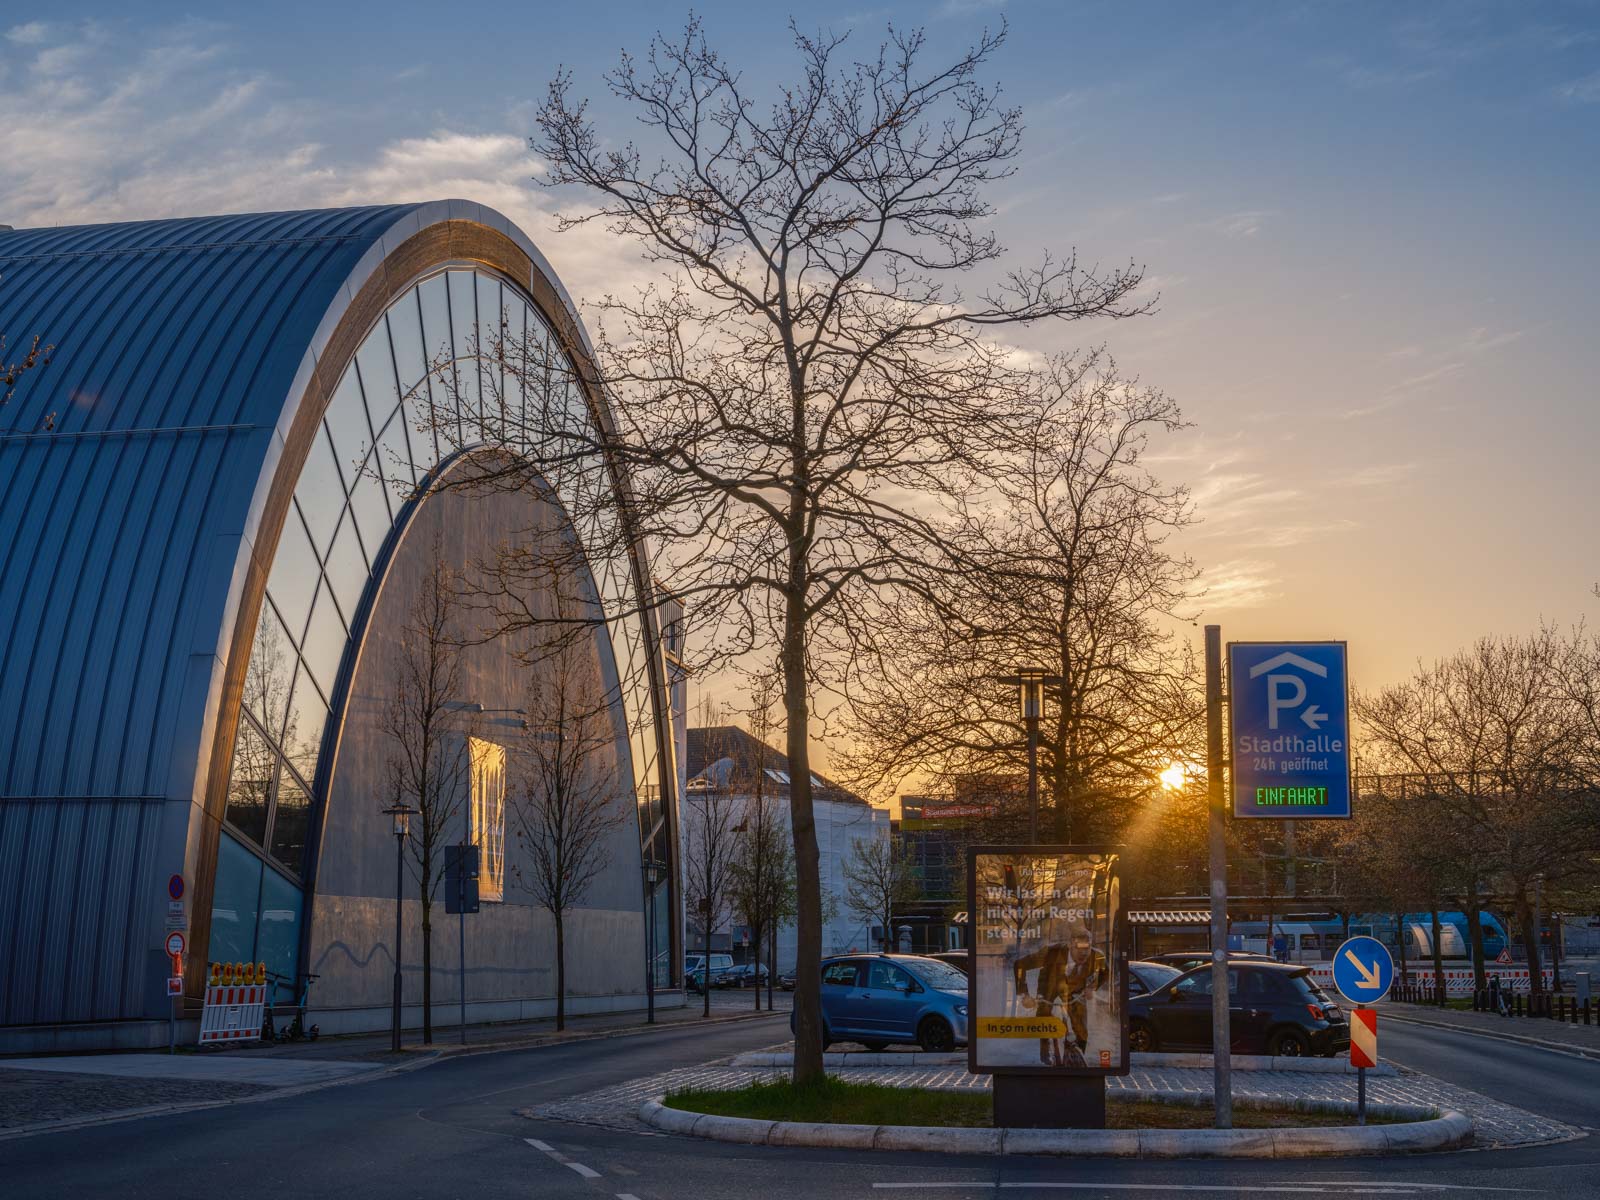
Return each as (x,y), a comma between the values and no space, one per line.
(1172,777)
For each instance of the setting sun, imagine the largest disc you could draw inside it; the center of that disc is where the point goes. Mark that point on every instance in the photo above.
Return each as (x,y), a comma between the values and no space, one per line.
(1172,778)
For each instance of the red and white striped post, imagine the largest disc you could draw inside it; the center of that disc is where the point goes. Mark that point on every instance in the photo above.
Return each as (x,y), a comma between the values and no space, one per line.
(1363,1054)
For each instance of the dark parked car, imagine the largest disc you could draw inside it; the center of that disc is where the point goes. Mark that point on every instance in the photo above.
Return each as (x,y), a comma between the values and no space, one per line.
(744,975)
(1146,977)
(1273,1008)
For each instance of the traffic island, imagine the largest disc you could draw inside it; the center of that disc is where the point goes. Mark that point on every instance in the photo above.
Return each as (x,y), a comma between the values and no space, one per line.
(841,1115)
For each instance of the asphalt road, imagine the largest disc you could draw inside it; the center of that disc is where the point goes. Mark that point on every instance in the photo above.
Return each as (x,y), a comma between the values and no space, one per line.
(451,1130)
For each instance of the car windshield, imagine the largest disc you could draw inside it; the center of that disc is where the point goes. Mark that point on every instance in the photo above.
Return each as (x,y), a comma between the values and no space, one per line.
(1155,975)
(939,975)
(1309,986)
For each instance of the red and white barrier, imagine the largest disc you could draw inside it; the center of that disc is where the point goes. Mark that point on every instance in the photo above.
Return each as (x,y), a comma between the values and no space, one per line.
(233,1013)
(1457,980)
(1363,1037)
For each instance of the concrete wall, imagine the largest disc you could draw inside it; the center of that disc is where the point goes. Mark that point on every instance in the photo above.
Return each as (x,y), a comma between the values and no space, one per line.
(510,945)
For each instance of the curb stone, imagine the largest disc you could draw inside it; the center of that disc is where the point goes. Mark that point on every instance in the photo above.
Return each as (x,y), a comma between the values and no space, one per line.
(1449,1131)
(1241,1062)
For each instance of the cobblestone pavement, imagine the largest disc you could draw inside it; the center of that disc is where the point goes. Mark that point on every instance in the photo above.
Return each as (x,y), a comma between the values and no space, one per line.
(33,1097)
(1497,1125)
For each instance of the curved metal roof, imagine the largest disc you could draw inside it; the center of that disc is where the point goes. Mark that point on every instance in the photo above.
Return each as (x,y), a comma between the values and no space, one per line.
(129,465)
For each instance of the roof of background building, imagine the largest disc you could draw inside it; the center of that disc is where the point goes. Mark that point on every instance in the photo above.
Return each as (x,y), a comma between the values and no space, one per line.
(750,758)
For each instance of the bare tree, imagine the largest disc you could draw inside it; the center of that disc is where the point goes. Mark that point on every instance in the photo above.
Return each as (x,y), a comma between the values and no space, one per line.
(708,848)
(1070,573)
(11,373)
(1493,744)
(566,802)
(793,406)
(430,761)
(879,879)
(761,873)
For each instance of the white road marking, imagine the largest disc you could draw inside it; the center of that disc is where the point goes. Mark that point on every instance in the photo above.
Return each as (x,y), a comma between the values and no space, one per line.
(545,1147)
(626,1196)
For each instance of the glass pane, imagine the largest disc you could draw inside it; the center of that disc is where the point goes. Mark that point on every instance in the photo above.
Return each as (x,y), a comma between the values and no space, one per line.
(325,639)
(320,492)
(271,670)
(435,299)
(347,566)
(405,328)
(394,455)
(346,419)
(289,821)
(302,732)
(250,781)
(293,579)
(491,337)
(371,510)
(378,382)
(278,944)
(464,321)
(235,899)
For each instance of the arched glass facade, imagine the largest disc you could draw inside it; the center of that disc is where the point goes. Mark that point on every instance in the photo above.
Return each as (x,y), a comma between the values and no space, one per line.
(417,392)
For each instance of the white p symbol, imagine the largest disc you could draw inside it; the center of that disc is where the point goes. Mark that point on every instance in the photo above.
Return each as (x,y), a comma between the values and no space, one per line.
(1276,700)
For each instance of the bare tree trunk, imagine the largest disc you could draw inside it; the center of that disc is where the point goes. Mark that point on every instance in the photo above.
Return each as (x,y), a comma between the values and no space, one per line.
(808,886)
(427,961)
(1475,935)
(1400,941)
(1438,954)
(561,973)
(1530,939)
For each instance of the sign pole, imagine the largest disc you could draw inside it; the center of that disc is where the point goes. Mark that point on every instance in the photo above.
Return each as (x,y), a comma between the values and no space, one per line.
(461,885)
(1216,798)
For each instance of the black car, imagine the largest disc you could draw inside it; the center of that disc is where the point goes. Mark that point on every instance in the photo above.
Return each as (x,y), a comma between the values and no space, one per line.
(744,975)
(1273,1008)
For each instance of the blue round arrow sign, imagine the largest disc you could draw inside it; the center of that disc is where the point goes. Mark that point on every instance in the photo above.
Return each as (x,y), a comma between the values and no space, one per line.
(1363,970)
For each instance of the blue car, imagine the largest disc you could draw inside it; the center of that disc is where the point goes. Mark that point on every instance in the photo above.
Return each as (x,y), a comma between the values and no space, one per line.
(876,999)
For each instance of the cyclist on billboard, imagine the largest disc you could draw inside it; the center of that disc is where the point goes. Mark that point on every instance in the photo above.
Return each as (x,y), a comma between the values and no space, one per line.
(1068,972)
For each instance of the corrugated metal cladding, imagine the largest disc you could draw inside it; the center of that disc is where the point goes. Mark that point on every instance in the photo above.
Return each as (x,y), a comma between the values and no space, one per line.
(127,469)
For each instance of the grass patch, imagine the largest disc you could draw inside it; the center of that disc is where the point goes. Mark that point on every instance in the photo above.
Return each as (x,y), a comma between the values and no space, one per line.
(838,1102)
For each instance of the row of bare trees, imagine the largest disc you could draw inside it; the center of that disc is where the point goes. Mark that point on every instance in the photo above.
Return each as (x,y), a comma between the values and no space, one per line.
(562,798)
(1480,787)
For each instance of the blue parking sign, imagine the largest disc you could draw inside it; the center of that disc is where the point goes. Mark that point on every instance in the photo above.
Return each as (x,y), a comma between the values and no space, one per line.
(1290,729)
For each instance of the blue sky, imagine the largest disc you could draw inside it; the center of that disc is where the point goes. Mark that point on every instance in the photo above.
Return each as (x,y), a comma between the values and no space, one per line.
(1373,229)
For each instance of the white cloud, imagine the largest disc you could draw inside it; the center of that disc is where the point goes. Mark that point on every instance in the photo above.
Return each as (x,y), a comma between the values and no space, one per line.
(1238,583)
(1241,224)
(1581,91)
(31,34)
(177,129)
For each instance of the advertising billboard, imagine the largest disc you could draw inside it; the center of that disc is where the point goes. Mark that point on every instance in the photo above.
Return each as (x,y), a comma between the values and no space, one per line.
(1047,983)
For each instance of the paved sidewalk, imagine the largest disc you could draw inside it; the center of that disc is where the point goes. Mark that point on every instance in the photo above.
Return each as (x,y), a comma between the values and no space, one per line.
(205,1068)
(1581,1038)
(1498,1125)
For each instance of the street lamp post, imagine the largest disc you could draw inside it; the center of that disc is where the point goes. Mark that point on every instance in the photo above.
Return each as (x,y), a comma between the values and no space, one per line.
(401,813)
(1030,703)
(653,874)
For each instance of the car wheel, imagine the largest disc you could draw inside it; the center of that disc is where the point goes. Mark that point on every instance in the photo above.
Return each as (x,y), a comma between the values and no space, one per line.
(875,1046)
(935,1035)
(1289,1043)
(1141,1038)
